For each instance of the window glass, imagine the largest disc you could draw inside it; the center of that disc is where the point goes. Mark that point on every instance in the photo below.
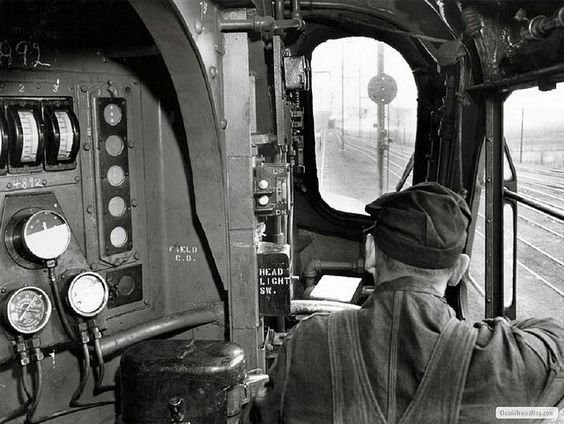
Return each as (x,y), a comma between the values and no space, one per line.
(534,132)
(476,287)
(364,136)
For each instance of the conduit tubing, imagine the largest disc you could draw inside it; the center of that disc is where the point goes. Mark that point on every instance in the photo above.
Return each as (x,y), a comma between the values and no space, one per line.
(180,321)
(316,266)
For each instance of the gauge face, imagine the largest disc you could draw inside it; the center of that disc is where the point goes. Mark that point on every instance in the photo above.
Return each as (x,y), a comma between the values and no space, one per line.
(88,294)
(46,235)
(28,309)
(112,114)
(30,136)
(66,134)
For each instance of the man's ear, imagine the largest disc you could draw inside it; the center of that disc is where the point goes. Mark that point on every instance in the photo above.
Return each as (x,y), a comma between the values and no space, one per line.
(461,266)
(370,252)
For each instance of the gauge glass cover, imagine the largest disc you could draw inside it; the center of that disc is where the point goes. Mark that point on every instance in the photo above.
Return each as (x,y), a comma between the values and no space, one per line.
(28,310)
(46,235)
(88,294)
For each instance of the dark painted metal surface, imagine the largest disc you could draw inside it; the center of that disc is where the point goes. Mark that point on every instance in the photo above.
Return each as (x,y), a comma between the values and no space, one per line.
(159,373)
(494,272)
(200,121)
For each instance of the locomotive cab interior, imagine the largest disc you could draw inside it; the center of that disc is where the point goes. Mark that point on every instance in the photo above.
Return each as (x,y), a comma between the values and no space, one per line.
(182,181)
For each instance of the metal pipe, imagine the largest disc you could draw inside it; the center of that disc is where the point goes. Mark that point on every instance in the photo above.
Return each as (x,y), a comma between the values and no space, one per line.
(296,13)
(527,77)
(540,27)
(535,204)
(279,9)
(256,23)
(298,24)
(179,321)
(260,24)
(308,307)
(315,266)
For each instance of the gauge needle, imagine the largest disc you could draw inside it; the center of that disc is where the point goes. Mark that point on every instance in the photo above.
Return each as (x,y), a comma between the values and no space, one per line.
(26,308)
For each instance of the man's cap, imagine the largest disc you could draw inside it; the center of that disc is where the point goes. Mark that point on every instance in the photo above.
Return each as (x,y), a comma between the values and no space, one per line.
(424,225)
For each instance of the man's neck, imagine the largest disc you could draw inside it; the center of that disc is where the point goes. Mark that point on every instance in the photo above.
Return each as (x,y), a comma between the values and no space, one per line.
(438,282)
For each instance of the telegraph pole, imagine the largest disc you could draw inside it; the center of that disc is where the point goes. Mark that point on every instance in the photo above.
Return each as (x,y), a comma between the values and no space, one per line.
(381,143)
(382,89)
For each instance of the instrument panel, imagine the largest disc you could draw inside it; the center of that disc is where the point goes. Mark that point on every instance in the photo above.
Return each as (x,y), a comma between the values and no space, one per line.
(68,201)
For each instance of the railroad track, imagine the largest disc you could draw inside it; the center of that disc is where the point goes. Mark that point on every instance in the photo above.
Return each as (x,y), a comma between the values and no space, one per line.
(540,238)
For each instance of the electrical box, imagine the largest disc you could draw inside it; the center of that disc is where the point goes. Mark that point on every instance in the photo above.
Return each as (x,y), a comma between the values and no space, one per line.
(274,283)
(272,189)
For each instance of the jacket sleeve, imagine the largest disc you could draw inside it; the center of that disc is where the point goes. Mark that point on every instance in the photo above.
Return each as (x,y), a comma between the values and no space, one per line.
(546,339)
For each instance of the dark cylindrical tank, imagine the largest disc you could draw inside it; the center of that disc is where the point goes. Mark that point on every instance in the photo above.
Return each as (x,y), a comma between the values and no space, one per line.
(182,381)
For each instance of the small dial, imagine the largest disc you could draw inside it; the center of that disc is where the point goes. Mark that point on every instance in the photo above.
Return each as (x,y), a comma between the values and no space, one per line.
(46,235)
(88,294)
(28,309)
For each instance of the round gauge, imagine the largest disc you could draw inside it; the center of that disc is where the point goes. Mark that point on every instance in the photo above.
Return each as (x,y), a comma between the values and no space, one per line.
(28,309)
(46,235)
(88,294)
(112,114)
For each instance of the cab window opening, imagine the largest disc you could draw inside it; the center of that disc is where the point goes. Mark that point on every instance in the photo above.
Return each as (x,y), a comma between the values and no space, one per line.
(365,113)
(533,132)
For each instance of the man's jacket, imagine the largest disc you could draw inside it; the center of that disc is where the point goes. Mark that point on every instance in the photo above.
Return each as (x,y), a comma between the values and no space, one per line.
(404,357)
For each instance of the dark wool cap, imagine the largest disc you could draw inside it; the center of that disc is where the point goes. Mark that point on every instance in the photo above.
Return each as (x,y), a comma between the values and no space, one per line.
(424,225)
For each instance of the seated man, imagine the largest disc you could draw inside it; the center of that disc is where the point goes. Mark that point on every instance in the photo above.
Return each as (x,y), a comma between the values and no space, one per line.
(404,357)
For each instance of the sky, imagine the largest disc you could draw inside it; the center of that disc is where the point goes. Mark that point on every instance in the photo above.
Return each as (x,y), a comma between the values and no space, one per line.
(359,54)
(543,112)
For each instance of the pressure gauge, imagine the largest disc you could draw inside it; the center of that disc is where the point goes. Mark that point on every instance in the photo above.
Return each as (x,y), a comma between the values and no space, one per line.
(88,294)
(39,235)
(27,309)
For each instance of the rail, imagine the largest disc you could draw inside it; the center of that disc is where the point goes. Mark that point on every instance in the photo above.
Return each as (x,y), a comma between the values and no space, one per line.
(535,204)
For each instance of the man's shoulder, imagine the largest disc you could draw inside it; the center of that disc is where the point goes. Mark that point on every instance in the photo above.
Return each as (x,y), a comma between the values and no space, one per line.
(312,326)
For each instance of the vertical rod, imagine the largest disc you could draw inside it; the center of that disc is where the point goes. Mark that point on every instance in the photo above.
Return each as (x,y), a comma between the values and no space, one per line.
(388,150)
(342,94)
(494,206)
(279,9)
(359,104)
(521,143)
